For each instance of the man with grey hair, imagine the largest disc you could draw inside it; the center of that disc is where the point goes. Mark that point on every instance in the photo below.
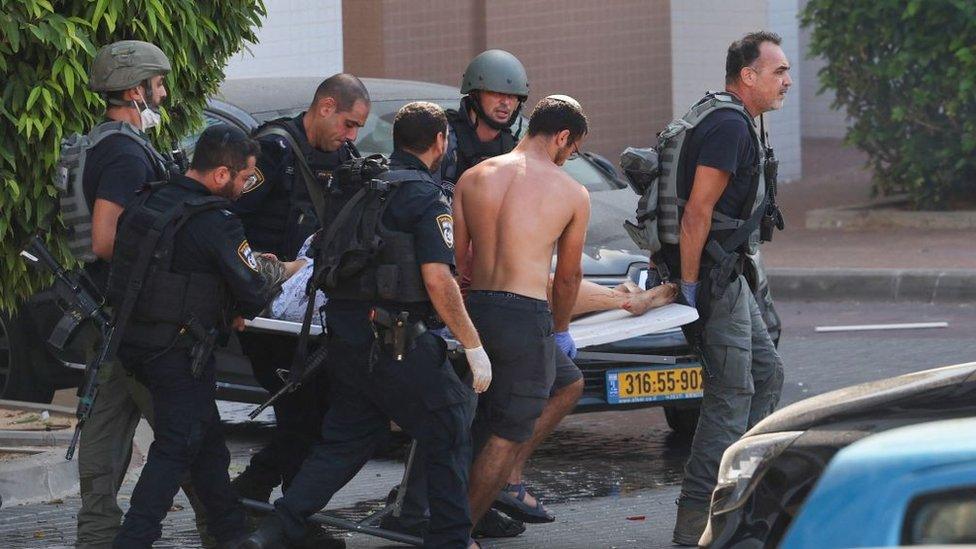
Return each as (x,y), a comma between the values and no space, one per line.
(725,174)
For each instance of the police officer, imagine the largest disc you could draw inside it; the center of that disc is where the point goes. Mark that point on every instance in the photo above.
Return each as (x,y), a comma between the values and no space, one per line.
(131,76)
(384,363)
(725,173)
(182,268)
(495,86)
(298,156)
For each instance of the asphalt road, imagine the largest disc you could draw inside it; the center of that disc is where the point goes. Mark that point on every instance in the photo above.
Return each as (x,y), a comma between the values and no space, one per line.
(610,477)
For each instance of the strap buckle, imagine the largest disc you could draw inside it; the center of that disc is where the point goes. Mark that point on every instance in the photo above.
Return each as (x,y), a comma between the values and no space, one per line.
(378,185)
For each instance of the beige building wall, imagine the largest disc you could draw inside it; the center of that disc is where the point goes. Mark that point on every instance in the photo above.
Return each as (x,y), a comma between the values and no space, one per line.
(613,57)
(819,118)
(297,38)
(701,31)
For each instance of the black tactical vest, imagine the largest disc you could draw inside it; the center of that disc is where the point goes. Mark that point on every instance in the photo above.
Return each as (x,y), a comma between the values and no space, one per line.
(465,149)
(359,258)
(288,217)
(142,269)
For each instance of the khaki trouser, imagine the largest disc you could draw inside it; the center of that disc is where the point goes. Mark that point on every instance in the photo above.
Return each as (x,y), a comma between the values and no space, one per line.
(104,452)
(743,376)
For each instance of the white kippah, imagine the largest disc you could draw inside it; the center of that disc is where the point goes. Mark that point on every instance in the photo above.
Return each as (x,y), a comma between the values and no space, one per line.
(566,99)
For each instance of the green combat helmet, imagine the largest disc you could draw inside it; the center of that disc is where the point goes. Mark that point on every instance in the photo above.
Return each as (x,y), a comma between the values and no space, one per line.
(125,64)
(497,71)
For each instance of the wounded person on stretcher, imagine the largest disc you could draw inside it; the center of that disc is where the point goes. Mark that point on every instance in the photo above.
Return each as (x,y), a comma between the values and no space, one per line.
(291,301)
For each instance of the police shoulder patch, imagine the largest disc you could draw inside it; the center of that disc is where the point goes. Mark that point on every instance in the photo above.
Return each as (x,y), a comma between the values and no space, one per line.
(445,223)
(258,181)
(247,256)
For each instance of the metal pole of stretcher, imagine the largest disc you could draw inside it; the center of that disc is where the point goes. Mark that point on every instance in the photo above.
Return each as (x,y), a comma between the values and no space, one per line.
(366,525)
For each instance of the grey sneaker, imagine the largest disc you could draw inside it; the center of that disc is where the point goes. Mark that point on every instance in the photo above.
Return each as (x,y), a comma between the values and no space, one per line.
(690,525)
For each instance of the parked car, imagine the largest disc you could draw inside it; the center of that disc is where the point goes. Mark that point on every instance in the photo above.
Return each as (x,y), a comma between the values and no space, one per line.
(765,478)
(609,259)
(913,485)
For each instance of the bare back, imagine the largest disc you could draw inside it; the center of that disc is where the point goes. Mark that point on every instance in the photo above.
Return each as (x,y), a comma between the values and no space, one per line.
(515,209)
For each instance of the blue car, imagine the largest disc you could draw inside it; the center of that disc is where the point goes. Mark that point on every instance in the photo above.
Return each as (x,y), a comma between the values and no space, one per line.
(912,485)
(766,478)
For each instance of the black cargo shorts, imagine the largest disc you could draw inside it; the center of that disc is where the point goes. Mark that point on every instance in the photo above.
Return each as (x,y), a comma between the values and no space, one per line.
(517,334)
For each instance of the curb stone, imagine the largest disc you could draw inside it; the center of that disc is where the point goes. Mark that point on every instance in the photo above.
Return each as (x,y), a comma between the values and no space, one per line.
(920,285)
(47,475)
(883,214)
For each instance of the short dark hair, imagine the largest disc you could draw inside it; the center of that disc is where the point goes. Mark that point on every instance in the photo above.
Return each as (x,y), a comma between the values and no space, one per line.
(416,126)
(745,51)
(553,115)
(345,88)
(223,145)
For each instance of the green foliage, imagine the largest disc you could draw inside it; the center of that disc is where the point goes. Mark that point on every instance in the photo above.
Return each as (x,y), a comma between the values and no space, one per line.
(46,49)
(906,73)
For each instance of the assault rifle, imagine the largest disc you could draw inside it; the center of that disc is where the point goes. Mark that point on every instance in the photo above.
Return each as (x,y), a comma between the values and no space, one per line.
(315,361)
(83,301)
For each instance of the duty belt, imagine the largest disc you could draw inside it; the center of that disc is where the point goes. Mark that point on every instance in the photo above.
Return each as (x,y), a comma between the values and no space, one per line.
(395,330)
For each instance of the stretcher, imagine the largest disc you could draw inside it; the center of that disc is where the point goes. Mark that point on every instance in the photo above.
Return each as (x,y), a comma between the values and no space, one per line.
(589,331)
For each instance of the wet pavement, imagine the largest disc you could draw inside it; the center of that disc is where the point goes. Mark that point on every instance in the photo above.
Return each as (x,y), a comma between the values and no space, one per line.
(610,477)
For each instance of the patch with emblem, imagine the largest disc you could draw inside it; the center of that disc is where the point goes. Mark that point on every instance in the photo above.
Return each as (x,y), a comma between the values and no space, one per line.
(258,181)
(247,256)
(445,223)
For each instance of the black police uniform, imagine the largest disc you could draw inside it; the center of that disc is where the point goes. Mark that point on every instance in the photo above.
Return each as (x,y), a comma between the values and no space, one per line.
(421,393)
(206,272)
(278,217)
(277,212)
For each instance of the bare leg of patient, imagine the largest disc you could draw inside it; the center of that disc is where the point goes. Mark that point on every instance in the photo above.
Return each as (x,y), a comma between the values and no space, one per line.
(628,296)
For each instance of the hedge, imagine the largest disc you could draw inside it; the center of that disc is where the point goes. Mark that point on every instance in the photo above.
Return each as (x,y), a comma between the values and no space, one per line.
(906,74)
(46,48)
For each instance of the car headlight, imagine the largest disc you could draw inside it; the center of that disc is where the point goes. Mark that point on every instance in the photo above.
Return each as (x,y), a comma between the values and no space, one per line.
(739,465)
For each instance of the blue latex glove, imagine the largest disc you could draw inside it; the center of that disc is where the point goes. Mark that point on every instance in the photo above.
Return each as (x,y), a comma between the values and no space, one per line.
(566,344)
(688,291)
(444,333)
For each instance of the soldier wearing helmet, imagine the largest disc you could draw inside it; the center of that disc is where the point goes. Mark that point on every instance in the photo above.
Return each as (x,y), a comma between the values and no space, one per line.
(119,162)
(494,86)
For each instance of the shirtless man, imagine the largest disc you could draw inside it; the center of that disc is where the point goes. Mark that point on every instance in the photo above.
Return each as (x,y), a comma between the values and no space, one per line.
(515,210)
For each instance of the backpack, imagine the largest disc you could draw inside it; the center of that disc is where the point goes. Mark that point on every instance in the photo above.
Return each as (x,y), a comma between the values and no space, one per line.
(69,181)
(356,256)
(654,173)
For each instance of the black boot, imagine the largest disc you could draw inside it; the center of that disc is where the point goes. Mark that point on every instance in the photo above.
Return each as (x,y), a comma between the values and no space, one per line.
(317,538)
(254,484)
(270,535)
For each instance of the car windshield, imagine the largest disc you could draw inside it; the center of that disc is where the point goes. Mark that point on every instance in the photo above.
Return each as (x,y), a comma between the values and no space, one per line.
(377,137)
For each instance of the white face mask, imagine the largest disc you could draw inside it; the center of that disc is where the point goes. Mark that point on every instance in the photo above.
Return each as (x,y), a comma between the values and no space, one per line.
(150,118)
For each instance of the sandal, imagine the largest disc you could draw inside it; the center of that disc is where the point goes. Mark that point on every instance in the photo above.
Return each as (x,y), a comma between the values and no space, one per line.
(515,506)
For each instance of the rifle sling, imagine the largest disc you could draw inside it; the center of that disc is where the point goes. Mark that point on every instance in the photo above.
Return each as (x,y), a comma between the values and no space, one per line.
(315,192)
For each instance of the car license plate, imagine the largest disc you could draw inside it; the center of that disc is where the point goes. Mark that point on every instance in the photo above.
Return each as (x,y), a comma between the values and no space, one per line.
(653,384)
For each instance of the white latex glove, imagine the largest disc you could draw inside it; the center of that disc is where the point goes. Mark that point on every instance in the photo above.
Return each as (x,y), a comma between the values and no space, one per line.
(480,368)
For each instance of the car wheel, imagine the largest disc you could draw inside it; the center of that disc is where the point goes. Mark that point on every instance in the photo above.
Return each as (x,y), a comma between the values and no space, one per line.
(682,421)
(17,371)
